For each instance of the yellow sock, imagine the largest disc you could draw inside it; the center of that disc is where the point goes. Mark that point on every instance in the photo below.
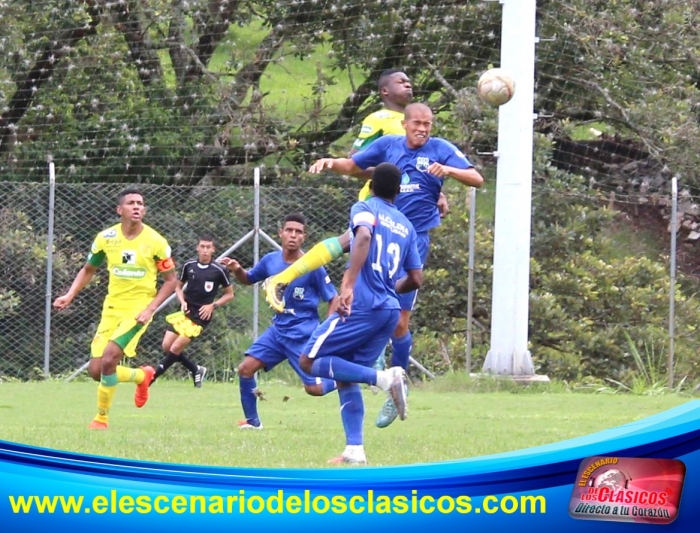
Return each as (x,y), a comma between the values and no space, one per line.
(365,193)
(130,375)
(105,395)
(320,255)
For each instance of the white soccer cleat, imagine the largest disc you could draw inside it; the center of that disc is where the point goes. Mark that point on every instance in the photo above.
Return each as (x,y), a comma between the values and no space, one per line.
(352,455)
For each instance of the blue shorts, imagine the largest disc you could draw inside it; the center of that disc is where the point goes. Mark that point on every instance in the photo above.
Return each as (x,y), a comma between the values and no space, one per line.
(271,349)
(360,338)
(408,299)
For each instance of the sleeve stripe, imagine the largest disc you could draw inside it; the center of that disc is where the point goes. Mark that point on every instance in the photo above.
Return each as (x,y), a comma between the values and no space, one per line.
(365,217)
(224,274)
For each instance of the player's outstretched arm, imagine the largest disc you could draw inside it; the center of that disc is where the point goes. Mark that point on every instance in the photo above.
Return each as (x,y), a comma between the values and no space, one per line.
(81,280)
(236,269)
(340,165)
(410,282)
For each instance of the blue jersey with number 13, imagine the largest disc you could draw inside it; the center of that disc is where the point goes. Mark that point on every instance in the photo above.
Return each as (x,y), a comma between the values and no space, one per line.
(393,249)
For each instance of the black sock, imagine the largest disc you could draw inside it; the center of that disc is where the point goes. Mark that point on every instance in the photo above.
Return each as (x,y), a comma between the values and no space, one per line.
(187,363)
(165,363)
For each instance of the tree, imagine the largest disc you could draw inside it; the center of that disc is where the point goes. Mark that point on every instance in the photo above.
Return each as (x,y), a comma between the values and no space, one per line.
(171,90)
(129,90)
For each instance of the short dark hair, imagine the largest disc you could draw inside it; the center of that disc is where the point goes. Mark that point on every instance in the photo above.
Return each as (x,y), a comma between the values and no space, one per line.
(294,217)
(385,75)
(206,237)
(386,181)
(126,192)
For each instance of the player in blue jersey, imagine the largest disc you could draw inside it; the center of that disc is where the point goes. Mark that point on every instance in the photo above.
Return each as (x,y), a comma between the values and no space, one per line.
(290,330)
(425,162)
(347,344)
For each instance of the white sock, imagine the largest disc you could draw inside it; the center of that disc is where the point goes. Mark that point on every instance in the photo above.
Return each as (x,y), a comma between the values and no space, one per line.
(356,451)
(384,379)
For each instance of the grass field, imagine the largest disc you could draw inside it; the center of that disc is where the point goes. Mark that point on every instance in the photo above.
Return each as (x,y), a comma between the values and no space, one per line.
(181,424)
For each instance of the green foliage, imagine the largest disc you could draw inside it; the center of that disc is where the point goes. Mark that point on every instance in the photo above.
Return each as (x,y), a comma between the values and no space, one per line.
(185,93)
(22,287)
(650,378)
(9,301)
(584,297)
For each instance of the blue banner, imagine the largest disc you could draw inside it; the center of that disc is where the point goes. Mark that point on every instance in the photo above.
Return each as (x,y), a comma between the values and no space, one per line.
(537,489)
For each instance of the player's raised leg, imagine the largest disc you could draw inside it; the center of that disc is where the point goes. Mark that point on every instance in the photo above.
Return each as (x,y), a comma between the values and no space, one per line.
(313,385)
(359,338)
(320,255)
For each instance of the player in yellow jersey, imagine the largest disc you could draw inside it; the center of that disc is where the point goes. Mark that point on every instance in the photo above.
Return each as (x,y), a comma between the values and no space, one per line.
(135,253)
(396,93)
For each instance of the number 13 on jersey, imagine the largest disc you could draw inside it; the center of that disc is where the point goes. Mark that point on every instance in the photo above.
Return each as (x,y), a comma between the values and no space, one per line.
(392,256)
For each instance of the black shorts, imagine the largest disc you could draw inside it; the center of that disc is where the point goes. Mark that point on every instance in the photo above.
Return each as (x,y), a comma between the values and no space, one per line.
(193,314)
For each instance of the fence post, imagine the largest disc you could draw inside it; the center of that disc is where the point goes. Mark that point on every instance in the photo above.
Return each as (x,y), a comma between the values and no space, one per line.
(49,270)
(256,247)
(470,279)
(672,295)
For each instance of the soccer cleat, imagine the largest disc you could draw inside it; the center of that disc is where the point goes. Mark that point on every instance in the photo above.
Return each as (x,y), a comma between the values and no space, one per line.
(274,294)
(198,376)
(96,424)
(244,424)
(348,460)
(141,394)
(398,391)
(387,415)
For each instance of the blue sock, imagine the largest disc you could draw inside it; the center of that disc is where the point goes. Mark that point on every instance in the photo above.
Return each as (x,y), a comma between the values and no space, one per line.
(339,369)
(249,401)
(402,350)
(328,385)
(352,412)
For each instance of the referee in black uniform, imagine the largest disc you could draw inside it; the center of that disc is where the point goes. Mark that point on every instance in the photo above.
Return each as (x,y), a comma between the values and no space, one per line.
(197,288)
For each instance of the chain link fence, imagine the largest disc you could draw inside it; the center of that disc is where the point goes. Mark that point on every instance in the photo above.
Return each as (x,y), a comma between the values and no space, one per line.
(36,341)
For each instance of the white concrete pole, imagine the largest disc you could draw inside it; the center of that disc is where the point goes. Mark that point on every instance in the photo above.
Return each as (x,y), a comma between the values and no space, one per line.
(508,353)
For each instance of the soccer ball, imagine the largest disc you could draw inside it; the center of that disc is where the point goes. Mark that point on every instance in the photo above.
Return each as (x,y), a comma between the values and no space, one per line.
(495,87)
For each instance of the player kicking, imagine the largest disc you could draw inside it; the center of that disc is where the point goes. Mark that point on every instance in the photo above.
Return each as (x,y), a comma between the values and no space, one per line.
(425,163)
(197,288)
(347,344)
(285,338)
(135,254)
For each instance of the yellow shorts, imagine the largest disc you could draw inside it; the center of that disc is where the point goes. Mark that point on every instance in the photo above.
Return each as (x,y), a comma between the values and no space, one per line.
(182,325)
(120,327)
(365,193)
